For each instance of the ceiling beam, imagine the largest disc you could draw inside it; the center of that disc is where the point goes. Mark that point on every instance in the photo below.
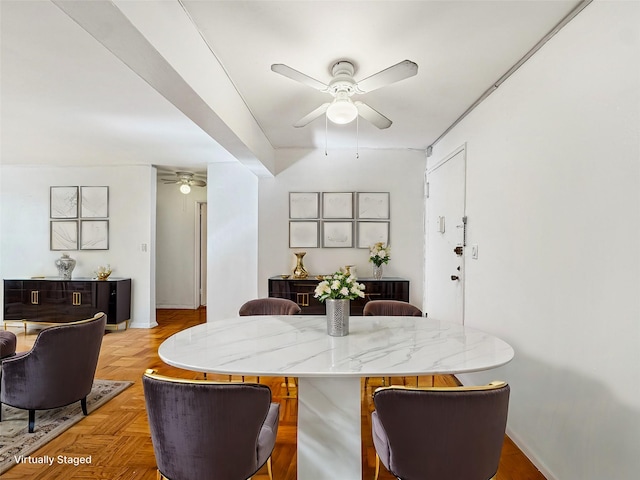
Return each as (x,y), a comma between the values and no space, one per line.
(160,43)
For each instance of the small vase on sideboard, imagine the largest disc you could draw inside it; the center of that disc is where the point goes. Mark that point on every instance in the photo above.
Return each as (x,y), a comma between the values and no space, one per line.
(377,272)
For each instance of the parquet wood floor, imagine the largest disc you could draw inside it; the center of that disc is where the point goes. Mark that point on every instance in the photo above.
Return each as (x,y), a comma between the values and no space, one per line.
(117,434)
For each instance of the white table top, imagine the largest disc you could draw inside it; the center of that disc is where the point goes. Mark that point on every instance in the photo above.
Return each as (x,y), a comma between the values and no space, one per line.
(298,346)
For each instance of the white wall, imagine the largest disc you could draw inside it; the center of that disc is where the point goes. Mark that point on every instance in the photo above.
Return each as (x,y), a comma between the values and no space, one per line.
(176,254)
(400,172)
(232,247)
(24,221)
(553,201)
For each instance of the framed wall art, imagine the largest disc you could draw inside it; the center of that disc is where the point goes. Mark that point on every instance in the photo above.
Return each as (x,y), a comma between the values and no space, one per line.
(94,235)
(63,202)
(304,205)
(370,233)
(337,234)
(63,235)
(373,205)
(337,205)
(94,202)
(303,234)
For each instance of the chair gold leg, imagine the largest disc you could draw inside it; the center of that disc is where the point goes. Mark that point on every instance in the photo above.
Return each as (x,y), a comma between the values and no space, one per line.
(377,467)
(269,469)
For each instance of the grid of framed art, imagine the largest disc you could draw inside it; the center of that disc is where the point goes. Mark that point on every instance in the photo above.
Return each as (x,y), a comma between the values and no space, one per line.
(79,218)
(338,219)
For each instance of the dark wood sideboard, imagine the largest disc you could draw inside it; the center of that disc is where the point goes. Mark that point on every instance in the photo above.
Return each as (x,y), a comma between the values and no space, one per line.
(301,292)
(54,300)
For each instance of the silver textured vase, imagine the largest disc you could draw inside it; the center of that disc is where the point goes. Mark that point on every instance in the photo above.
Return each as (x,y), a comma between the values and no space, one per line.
(338,317)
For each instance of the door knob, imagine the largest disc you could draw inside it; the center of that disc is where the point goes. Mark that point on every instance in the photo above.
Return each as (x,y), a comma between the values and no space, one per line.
(455,277)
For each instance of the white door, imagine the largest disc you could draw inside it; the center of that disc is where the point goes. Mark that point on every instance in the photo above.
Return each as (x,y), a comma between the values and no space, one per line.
(445,237)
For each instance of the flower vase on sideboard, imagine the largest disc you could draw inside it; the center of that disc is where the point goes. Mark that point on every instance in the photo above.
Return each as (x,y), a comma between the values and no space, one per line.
(377,272)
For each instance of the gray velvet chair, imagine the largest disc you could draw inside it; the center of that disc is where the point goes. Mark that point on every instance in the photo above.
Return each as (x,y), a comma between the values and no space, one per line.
(210,430)
(57,371)
(270,306)
(390,308)
(435,433)
(7,344)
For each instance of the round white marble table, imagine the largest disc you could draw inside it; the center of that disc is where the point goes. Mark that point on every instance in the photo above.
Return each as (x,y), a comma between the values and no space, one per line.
(329,369)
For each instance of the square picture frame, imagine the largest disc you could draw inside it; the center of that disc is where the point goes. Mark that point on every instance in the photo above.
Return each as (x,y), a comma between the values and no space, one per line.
(337,234)
(94,235)
(63,235)
(337,205)
(373,205)
(94,202)
(370,233)
(304,205)
(63,202)
(303,234)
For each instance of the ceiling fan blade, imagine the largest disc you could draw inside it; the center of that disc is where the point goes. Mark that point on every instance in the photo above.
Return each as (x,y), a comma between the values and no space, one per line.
(393,74)
(372,116)
(167,181)
(299,77)
(198,183)
(310,117)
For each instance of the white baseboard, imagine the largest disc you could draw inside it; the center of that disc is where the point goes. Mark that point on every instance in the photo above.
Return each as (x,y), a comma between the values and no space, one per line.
(530,455)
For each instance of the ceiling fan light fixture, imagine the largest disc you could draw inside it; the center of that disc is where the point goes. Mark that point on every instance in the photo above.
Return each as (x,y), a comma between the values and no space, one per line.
(184,188)
(342,110)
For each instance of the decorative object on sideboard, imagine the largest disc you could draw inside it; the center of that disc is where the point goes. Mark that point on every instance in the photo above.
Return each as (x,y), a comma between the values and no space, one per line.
(351,270)
(103,272)
(337,291)
(65,265)
(299,271)
(379,254)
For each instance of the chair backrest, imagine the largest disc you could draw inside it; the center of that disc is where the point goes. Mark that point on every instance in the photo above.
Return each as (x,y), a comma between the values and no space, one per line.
(269,306)
(204,429)
(60,367)
(435,433)
(391,308)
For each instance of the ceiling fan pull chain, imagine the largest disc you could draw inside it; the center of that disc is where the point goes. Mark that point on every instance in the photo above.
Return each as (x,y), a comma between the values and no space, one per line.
(357,136)
(326,129)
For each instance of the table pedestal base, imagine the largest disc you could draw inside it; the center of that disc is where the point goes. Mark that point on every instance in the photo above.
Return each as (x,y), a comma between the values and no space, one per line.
(329,437)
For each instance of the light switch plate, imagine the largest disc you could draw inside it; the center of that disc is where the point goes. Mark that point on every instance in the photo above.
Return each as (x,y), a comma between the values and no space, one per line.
(474,251)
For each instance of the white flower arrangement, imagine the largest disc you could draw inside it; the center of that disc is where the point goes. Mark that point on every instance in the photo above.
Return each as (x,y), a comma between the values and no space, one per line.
(339,286)
(379,254)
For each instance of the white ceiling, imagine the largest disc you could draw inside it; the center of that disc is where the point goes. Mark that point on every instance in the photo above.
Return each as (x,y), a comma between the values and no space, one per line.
(66,99)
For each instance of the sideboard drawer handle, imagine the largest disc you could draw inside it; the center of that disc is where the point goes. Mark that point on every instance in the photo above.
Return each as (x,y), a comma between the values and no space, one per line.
(77,298)
(34,297)
(302,299)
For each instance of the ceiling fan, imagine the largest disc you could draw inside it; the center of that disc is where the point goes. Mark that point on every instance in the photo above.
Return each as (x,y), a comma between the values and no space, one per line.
(342,87)
(186,180)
